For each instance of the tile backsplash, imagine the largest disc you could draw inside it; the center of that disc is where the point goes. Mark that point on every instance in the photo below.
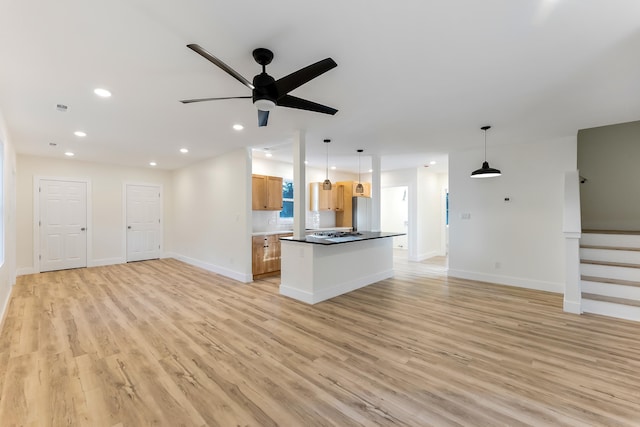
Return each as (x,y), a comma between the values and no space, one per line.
(271,221)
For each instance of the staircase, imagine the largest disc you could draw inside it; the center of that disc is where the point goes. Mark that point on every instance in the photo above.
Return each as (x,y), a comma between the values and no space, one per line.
(610,273)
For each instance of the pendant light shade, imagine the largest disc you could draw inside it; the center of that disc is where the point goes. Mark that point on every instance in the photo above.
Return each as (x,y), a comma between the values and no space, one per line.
(485,171)
(326,185)
(359,187)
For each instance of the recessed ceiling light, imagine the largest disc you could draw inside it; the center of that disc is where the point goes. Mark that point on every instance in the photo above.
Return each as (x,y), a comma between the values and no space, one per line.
(153,164)
(269,155)
(238,126)
(184,150)
(333,168)
(306,162)
(79,133)
(370,170)
(432,162)
(102,92)
(69,154)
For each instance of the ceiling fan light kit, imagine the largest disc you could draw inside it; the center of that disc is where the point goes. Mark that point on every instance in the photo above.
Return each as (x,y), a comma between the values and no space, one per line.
(267,93)
(485,171)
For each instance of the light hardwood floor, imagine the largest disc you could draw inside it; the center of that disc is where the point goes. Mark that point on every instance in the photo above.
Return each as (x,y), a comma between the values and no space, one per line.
(164,343)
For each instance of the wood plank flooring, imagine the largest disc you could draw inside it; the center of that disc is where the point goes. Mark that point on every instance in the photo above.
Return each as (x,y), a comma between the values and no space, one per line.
(163,343)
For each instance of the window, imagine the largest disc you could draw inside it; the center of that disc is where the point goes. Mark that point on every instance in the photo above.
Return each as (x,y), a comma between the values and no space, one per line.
(287,199)
(447,209)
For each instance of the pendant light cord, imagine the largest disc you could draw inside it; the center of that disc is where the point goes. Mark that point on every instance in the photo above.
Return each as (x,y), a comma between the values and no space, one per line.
(485,129)
(327,144)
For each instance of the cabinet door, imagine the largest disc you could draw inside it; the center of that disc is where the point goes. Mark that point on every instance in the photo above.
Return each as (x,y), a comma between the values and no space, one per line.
(258,192)
(259,244)
(274,193)
(272,254)
(319,199)
(339,198)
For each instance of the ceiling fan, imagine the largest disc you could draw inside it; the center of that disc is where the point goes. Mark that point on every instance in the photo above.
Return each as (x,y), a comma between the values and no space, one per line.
(267,93)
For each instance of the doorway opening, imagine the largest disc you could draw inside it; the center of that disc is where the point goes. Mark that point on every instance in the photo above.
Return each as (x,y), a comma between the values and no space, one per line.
(394,216)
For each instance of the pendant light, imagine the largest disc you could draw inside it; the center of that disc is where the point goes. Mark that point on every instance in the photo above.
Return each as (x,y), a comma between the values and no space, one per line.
(326,185)
(359,187)
(485,171)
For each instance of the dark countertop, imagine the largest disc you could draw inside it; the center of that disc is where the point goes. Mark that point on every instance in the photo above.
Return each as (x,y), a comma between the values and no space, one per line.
(364,235)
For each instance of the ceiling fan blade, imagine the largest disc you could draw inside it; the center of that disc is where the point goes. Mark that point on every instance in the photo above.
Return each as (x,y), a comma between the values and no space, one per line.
(263,118)
(303,104)
(233,73)
(302,76)
(189,101)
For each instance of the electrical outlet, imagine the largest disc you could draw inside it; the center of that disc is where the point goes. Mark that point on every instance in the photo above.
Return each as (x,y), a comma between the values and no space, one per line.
(465,215)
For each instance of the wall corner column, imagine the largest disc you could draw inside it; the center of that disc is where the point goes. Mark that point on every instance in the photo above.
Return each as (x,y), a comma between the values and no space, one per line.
(299,185)
(376,189)
(572,229)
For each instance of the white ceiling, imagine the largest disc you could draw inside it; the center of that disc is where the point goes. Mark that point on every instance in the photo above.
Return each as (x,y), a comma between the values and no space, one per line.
(415,79)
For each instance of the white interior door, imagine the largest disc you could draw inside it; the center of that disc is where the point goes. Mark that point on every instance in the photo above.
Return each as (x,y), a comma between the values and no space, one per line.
(63,224)
(143,222)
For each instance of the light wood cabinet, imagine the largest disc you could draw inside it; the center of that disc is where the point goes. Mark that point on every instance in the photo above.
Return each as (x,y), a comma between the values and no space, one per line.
(344,216)
(319,199)
(266,193)
(266,255)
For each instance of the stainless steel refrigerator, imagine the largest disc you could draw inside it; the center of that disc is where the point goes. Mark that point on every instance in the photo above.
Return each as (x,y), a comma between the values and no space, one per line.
(361,211)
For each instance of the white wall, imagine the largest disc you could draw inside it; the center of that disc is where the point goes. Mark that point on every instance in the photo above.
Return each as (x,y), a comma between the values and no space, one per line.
(608,157)
(426,222)
(431,232)
(8,267)
(108,222)
(519,242)
(394,213)
(212,215)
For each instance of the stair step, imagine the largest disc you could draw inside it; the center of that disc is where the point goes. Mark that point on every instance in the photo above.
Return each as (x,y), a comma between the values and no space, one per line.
(609,248)
(592,231)
(614,300)
(610,281)
(609,264)
(611,309)
(610,239)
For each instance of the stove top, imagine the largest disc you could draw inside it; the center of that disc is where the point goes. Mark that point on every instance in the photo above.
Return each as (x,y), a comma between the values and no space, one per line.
(325,234)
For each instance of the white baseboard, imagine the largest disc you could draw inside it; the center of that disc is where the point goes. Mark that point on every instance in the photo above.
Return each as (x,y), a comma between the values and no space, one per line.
(574,307)
(427,255)
(340,289)
(26,270)
(4,306)
(611,309)
(235,275)
(521,282)
(297,294)
(105,261)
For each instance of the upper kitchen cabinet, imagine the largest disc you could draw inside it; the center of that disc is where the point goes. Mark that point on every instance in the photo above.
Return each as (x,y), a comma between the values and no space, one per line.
(319,199)
(266,193)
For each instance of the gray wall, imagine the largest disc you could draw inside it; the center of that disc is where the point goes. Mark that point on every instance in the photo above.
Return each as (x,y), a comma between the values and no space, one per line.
(609,157)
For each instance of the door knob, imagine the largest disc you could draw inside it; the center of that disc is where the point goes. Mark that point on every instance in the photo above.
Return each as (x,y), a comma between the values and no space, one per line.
(129,227)
(82,229)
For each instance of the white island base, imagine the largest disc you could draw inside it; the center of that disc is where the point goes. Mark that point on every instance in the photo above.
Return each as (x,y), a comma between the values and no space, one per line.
(313,273)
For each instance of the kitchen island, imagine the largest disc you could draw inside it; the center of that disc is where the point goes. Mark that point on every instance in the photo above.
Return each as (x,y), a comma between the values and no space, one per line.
(318,267)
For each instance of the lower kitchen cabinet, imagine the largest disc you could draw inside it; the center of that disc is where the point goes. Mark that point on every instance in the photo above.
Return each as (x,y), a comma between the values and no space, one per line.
(266,255)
